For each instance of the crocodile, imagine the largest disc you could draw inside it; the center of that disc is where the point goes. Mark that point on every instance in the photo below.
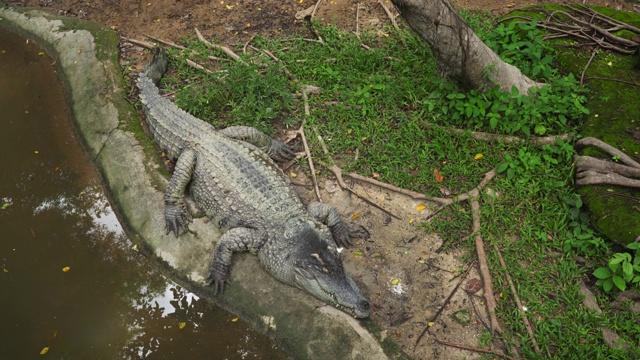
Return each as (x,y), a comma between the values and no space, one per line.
(233,179)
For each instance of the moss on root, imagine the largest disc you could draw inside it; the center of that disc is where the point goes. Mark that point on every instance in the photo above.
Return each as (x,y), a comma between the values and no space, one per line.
(614,110)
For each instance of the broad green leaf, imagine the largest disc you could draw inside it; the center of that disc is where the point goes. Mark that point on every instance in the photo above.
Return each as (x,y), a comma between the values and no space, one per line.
(619,282)
(602,273)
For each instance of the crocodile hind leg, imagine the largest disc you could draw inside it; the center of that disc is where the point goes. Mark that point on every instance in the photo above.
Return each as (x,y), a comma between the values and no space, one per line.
(342,233)
(276,150)
(234,240)
(176,215)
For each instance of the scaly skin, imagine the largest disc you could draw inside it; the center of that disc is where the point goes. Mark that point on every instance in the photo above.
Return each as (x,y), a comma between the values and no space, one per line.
(233,179)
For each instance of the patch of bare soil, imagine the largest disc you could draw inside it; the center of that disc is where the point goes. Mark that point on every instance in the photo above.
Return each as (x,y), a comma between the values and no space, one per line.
(407,281)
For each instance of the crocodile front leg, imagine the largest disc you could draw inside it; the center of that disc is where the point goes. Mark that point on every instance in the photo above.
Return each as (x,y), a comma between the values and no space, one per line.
(234,240)
(276,150)
(342,233)
(176,215)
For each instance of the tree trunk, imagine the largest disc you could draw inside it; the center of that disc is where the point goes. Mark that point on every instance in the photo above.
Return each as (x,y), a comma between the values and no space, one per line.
(457,49)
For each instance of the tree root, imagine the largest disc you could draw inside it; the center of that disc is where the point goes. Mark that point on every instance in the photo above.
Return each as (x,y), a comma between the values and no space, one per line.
(507,139)
(593,171)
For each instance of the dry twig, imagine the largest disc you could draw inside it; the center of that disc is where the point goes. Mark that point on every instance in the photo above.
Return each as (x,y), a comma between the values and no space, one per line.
(165,42)
(306,145)
(593,54)
(222,48)
(444,304)
(526,321)
(484,351)
(144,44)
(389,14)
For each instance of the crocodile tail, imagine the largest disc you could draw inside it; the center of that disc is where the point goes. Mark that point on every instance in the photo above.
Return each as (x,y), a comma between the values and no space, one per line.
(157,67)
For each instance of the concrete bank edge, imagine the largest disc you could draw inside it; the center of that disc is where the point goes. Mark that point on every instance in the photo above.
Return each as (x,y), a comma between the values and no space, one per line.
(87,56)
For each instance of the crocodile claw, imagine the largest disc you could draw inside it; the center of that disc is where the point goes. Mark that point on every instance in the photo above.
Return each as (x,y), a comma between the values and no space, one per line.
(282,152)
(177,218)
(218,276)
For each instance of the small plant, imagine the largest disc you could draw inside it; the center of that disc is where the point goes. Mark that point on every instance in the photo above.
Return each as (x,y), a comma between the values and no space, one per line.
(622,269)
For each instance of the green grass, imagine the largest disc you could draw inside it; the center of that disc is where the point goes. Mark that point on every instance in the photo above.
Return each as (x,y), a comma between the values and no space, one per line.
(381,102)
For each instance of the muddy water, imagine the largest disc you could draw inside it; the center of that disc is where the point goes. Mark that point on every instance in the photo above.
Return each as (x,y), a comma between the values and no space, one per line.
(71,283)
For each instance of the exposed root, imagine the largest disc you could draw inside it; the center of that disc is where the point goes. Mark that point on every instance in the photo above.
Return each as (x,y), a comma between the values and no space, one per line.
(507,139)
(593,171)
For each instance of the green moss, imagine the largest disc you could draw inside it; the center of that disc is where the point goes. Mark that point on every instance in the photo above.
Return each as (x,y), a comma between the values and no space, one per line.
(613,110)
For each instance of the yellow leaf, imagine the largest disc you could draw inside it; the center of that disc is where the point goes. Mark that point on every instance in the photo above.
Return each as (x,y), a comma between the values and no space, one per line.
(421,261)
(478,157)
(395,281)
(37,152)
(293,175)
(610,63)
(357,253)
(234,319)
(66,269)
(135,247)
(420,207)
(44,350)
(596,115)
(229,7)
(41,53)
(431,323)
(355,216)
(5,270)
(182,325)
(411,220)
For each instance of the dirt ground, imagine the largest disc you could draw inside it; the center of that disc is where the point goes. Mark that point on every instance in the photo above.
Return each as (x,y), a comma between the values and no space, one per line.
(398,268)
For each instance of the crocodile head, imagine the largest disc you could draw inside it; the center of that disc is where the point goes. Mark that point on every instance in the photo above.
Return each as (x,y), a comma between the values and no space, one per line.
(318,269)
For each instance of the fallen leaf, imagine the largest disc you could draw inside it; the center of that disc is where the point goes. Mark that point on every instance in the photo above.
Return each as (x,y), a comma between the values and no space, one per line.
(293,175)
(473,286)
(79,52)
(5,270)
(610,63)
(357,253)
(36,152)
(41,53)
(135,247)
(182,325)
(431,323)
(66,269)
(234,319)
(355,216)
(478,157)
(436,174)
(229,7)
(411,220)
(420,207)
(421,261)
(55,334)
(395,281)
(375,175)
(44,350)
